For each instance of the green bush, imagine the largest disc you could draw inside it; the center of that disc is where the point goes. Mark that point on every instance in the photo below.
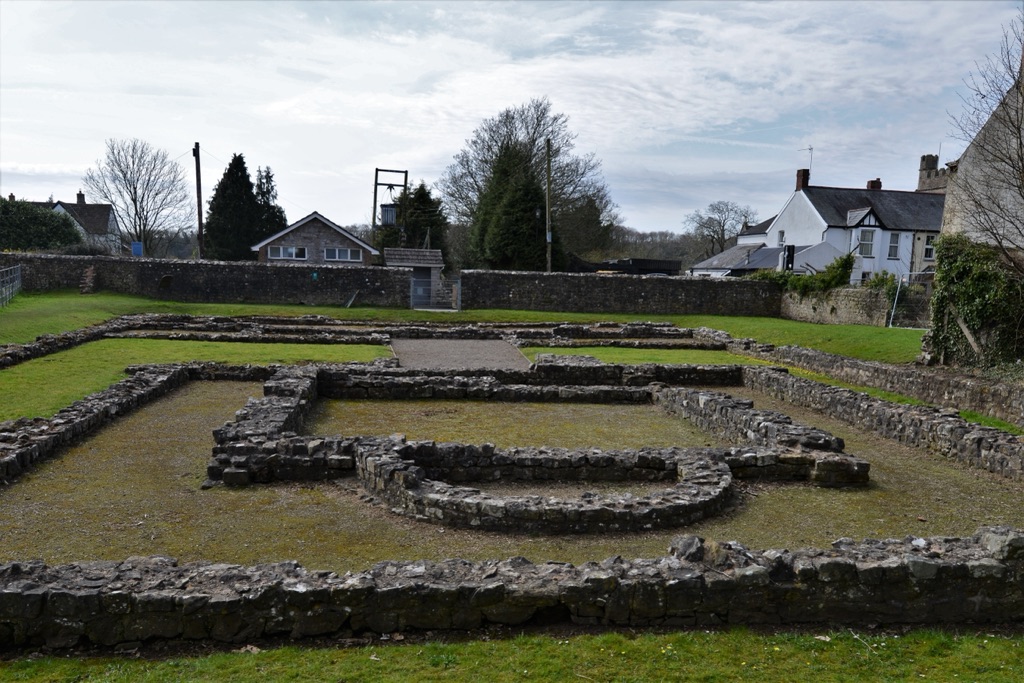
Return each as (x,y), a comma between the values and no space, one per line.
(835,275)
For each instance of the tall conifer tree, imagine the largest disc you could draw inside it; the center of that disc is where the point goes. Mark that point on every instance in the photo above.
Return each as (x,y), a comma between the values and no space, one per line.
(233,217)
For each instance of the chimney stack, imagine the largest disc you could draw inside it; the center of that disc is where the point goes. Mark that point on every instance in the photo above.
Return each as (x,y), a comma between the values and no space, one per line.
(803,178)
(875,184)
(81,197)
(11,198)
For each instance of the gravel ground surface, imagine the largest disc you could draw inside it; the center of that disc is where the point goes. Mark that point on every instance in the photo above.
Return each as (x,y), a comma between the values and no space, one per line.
(460,354)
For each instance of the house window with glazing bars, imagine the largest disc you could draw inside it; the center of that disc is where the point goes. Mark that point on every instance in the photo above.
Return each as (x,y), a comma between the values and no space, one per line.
(338,254)
(866,248)
(293,253)
(894,246)
(929,248)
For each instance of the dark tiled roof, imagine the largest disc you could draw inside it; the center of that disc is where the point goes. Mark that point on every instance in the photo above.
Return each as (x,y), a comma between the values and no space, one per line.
(758,229)
(730,258)
(95,218)
(896,210)
(431,258)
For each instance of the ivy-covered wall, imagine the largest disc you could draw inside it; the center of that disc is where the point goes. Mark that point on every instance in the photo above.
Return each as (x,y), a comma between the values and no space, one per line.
(977,307)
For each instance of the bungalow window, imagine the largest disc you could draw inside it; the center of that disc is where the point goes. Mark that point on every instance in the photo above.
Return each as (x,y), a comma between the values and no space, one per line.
(866,247)
(894,245)
(293,253)
(336,254)
(929,248)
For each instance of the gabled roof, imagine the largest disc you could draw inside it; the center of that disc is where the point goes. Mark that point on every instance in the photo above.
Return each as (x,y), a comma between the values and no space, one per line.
(896,210)
(759,229)
(94,218)
(311,217)
(414,258)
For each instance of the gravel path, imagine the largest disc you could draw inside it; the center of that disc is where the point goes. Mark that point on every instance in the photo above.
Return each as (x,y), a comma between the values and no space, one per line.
(460,354)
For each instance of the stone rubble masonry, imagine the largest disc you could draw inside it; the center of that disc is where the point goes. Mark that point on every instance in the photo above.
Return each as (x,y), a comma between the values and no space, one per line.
(219,281)
(940,431)
(976,580)
(932,385)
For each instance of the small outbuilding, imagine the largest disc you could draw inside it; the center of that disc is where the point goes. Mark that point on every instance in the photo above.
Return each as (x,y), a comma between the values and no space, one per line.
(315,239)
(426,288)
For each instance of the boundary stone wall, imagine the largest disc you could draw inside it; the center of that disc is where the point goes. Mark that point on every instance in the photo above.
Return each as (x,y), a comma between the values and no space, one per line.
(593,293)
(976,580)
(846,306)
(219,281)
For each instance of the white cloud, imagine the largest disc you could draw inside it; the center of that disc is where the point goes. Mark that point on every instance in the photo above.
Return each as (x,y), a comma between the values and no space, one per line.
(685,102)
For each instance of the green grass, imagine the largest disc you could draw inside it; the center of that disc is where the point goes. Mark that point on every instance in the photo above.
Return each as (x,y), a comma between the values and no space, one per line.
(31,315)
(735,655)
(41,387)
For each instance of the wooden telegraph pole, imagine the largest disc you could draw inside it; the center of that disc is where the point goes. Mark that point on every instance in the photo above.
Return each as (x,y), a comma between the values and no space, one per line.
(547,197)
(199,200)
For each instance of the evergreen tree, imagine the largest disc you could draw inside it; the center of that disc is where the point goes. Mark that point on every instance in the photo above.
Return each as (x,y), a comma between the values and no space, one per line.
(421,221)
(272,217)
(508,230)
(233,217)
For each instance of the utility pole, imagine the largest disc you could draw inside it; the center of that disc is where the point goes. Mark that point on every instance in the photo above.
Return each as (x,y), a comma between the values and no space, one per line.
(199,200)
(547,200)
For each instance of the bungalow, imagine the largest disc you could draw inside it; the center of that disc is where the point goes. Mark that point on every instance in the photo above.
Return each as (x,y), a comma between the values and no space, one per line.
(314,239)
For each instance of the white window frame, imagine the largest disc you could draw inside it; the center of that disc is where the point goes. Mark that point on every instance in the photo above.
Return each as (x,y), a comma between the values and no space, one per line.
(282,253)
(351,255)
(894,246)
(782,238)
(866,247)
(929,247)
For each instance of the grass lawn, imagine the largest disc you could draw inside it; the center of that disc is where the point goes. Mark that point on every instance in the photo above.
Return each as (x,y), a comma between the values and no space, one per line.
(41,387)
(736,655)
(30,315)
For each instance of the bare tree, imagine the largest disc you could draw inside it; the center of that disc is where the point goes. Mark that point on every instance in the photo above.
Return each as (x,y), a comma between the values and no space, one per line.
(573,177)
(148,192)
(985,199)
(719,224)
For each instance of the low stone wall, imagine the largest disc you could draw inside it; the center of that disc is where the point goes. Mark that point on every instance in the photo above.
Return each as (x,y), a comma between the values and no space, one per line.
(940,431)
(848,306)
(219,281)
(977,580)
(931,385)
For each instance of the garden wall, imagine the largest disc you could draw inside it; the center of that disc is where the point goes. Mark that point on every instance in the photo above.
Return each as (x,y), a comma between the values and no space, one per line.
(857,306)
(618,293)
(219,281)
(911,581)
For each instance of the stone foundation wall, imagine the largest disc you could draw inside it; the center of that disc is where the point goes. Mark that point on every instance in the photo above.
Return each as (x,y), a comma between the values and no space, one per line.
(931,385)
(977,580)
(940,431)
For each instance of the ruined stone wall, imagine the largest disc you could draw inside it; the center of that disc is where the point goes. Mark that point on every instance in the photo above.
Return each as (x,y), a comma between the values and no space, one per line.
(219,281)
(975,580)
(847,306)
(940,431)
(593,293)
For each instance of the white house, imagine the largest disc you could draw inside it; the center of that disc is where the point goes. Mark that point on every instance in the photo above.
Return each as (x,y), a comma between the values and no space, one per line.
(888,230)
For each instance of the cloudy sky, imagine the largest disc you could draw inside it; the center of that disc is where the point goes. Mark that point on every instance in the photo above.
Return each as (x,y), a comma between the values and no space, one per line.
(684,103)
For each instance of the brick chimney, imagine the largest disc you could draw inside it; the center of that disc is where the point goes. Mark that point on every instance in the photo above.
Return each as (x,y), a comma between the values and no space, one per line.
(803,178)
(81,197)
(875,184)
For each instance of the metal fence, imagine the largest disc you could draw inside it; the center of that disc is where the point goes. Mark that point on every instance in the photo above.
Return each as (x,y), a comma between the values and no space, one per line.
(911,307)
(10,283)
(442,295)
